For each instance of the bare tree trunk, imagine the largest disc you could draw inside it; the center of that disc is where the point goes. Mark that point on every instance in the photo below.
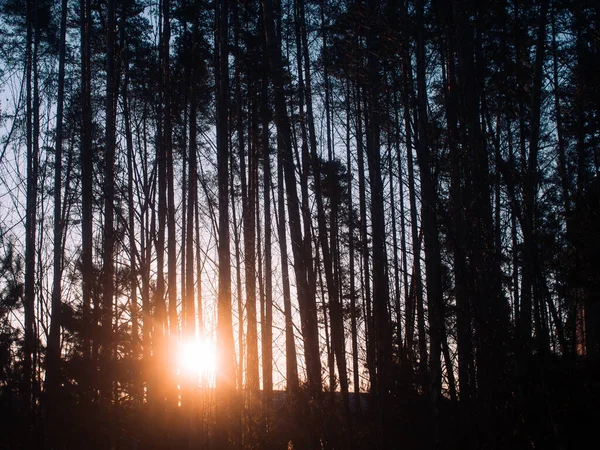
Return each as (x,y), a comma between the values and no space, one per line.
(188,301)
(251,244)
(335,309)
(199,265)
(530,187)
(362,202)
(32,130)
(168,152)
(160,310)
(414,302)
(267,325)
(381,332)
(146,236)
(352,293)
(429,221)
(87,274)
(249,225)
(242,163)
(562,160)
(225,381)
(406,349)
(53,355)
(305,163)
(490,321)
(302,261)
(133,252)
(397,292)
(239,295)
(109,193)
(458,239)
(291,363)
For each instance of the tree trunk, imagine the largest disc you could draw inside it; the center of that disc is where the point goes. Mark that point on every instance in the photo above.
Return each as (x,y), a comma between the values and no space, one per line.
(362,202)
(160,310)
(352,293)
(458,238)
(133,252)
(32,130)
(249,226)
(168,153)
(291,362)
(306,299)
(429,223)
(53,356)
(190,310)
(87,177)
(381,332)
(397,293)
(109,201)
(530,186)
(414,302)
(239,295)
(225,381)
(267,326)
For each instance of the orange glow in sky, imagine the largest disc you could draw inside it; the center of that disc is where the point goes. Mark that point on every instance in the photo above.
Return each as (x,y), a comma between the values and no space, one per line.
(196,358)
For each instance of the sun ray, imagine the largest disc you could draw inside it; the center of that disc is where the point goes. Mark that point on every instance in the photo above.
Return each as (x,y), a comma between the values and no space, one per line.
(196,358)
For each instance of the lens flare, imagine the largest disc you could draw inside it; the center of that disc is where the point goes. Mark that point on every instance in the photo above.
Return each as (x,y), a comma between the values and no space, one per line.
(196,358)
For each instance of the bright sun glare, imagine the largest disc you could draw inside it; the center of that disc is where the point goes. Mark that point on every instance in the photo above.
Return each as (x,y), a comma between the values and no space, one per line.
(197,358)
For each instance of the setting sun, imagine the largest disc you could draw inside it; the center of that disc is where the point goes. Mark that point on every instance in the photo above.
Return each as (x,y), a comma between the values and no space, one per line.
(197,358)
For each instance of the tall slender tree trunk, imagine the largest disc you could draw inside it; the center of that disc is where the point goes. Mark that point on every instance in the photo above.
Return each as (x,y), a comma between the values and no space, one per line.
(199,264)
(362,202)
(429,221)
(335,309)
(87,177)
(109,202)
(225,381)
(190,310)
(302,262)
(53,355)
(490,323)
(291,362)
(146,224)
(414,302)
(168,152)
(406,349)
(352,293)
(381,332)
(267,325)
(133,251)
(160,310)
(239,295)
(304,92)
(32,130)
(397,292)
(530,186)
(458,242)
(249,226)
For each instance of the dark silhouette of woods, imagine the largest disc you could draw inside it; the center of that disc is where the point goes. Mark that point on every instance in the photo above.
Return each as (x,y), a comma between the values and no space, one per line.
(299,224)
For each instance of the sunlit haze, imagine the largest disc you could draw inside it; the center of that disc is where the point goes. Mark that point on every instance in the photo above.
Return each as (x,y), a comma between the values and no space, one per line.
(196,358)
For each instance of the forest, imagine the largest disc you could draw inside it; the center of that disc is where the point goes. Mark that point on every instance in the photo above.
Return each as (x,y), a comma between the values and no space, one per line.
(299,224)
